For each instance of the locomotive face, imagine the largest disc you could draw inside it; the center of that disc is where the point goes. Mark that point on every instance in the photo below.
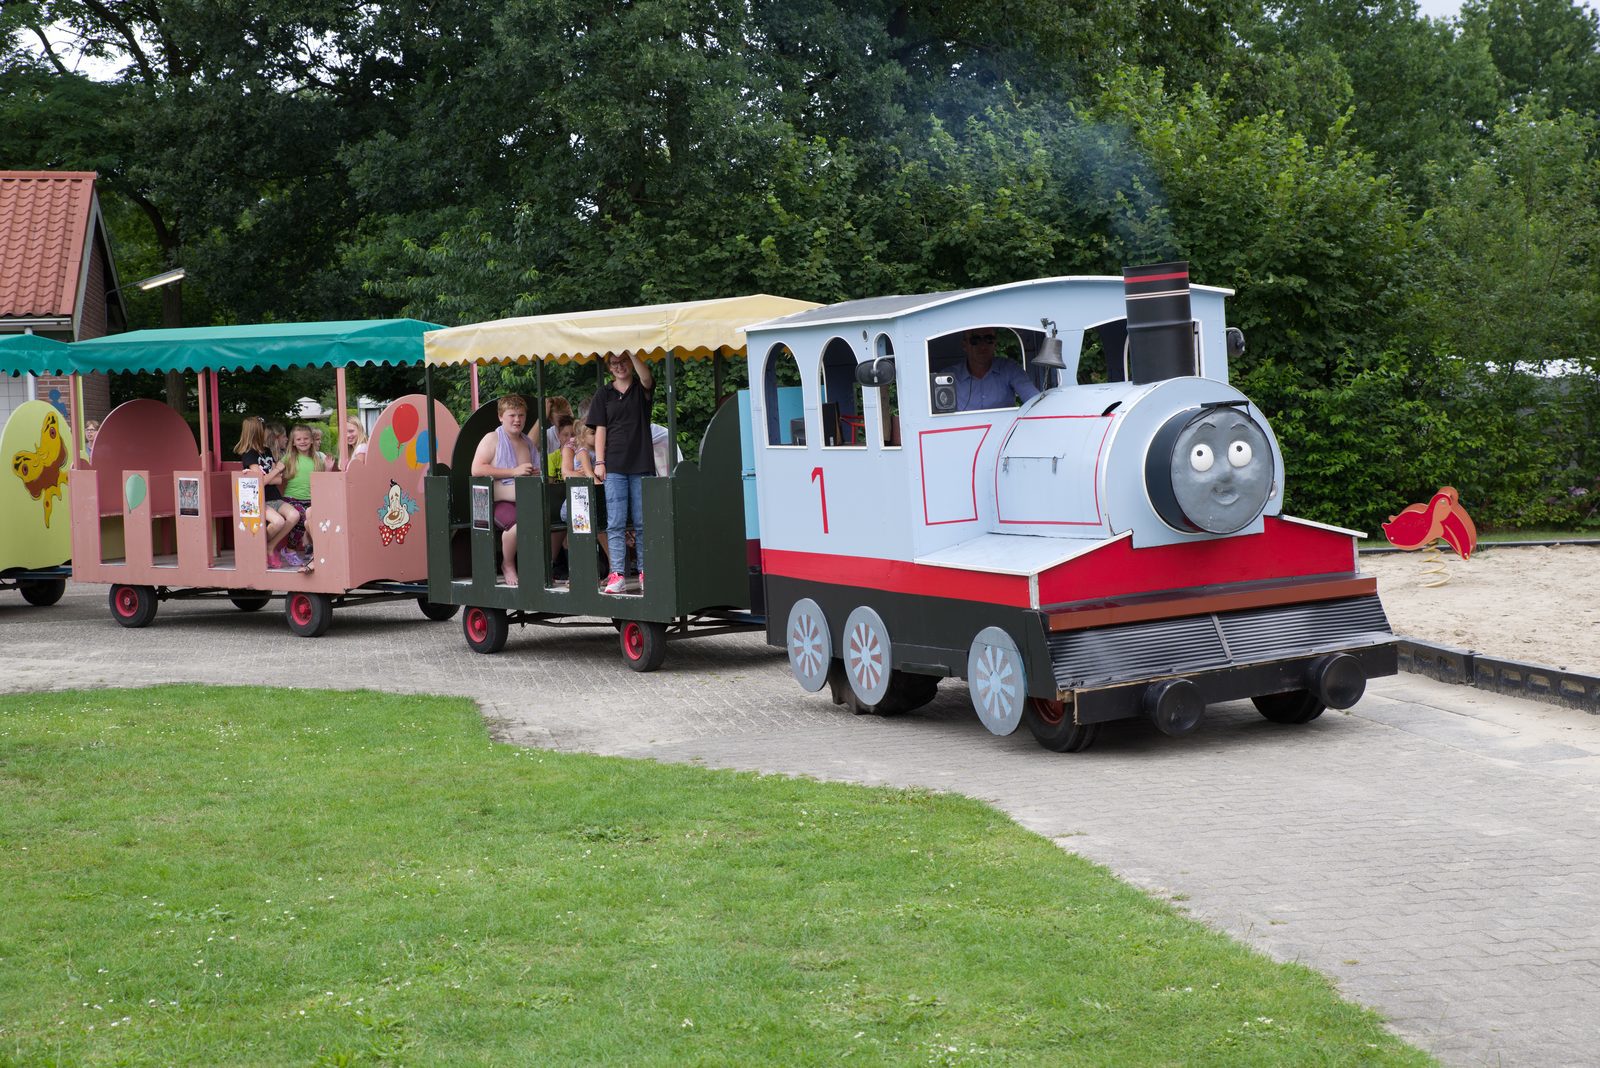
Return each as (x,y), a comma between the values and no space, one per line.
(1218,471)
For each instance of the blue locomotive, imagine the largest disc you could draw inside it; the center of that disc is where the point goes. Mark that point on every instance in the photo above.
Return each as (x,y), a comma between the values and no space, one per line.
(949,492)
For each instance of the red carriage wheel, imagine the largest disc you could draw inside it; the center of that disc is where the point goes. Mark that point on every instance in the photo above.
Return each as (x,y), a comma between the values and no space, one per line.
(644,644)
(309,614)
(486,629)
(133,606)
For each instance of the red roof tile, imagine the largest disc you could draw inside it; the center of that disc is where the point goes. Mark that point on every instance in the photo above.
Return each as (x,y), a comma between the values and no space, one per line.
(44,230)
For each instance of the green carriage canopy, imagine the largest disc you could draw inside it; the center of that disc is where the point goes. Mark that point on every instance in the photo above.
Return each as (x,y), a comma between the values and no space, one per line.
(264,346)
(30,354)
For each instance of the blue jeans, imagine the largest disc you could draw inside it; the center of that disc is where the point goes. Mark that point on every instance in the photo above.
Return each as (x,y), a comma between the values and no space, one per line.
(624,498)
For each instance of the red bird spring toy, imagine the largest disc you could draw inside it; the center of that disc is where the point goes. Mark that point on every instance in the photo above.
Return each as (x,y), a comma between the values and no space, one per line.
(1442,517)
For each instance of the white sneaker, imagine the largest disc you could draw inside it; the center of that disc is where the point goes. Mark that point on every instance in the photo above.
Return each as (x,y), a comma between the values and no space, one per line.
(641,580)
(615,583)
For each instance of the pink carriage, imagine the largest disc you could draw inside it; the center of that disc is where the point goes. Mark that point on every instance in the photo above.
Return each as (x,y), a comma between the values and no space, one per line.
(160,516)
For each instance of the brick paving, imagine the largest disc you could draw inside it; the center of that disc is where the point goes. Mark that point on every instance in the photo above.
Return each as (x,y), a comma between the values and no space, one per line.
(1436,850)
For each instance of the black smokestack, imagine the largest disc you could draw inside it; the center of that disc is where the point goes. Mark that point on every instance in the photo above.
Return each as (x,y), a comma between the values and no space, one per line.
(1160,327)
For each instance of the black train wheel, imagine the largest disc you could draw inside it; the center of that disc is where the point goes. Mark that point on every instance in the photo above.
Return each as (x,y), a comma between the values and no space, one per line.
(248,600)
(1054,729)
(1296,706)
(42,592)
(907,692)
(437,612)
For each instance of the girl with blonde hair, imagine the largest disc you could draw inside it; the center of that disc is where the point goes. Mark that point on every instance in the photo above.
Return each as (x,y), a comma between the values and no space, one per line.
(255,451)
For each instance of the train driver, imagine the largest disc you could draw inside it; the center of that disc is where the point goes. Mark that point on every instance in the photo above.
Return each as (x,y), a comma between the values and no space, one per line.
(985,382)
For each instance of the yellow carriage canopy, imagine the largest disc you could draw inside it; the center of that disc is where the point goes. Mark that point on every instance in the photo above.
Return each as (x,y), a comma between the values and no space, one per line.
(691,330)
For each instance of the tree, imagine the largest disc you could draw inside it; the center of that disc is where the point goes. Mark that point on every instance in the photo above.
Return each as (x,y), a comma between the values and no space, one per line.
(1548,50)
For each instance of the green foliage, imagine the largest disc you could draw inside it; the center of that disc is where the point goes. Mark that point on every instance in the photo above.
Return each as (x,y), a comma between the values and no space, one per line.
(1316,244)
(1517,446)
(1376,186)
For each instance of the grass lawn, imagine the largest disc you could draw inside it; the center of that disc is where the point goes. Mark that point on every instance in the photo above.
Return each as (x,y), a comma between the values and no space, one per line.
(203,876)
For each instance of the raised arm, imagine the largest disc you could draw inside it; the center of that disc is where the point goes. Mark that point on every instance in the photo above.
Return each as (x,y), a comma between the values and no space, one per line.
(641,371)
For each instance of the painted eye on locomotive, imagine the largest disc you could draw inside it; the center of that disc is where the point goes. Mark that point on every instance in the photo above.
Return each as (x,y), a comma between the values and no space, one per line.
(1210,470)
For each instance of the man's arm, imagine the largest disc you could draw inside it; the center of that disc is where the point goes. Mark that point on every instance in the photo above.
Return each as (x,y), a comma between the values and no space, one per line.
(1022,383)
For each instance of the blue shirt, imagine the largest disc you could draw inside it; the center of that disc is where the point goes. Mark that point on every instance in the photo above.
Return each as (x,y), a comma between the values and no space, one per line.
(1004,385)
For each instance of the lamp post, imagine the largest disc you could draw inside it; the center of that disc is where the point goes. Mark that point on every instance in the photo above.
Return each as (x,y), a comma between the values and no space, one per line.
(170,282)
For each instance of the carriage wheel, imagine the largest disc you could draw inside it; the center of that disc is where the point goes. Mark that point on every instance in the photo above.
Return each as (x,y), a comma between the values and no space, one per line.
(1053,728)
(1296,706)
(309,614)
(485,628)
(644,644)
(810,645)
(133,606)
(42,592)
(435,611)
(248,600)
(997,681)
(868,661)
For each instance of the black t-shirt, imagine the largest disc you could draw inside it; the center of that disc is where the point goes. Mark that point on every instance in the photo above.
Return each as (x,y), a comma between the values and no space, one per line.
(252,458)
(626,417)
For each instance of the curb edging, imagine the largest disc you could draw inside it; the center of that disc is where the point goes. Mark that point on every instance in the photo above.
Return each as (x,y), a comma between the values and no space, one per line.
(1515,678)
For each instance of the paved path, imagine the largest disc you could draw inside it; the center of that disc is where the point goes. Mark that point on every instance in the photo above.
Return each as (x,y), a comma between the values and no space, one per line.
(1436,851)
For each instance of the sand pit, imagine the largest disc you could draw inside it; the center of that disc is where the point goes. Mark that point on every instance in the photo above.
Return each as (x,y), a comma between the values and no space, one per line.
(1540,605)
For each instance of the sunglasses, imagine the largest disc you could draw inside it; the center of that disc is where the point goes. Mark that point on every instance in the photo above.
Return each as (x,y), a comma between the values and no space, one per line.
(981,339)
(618,361)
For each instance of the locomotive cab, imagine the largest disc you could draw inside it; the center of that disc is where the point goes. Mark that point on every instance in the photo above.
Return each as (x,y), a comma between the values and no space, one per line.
(1078,551)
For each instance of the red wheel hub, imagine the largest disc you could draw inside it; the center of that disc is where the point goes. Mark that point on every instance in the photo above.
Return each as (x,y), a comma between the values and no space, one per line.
(127,601)
(1051,713)
(300,609)
(477,624)
(633,641)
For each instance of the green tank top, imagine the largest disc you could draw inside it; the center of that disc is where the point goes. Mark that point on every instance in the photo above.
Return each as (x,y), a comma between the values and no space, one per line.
(298,485)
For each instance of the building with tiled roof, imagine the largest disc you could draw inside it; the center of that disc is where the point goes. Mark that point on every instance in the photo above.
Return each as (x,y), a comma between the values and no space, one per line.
(57,277)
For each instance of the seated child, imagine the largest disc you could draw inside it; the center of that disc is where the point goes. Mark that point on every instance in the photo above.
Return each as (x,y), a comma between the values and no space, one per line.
(255,451)
(577,461)
(505,454)
(299,462)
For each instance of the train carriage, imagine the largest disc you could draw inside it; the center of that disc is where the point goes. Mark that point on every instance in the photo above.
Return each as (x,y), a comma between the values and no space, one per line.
(1103,550)
(161,516)
(694,534)
(36,494)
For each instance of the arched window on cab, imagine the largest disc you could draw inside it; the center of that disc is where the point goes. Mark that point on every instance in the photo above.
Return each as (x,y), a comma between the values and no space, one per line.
(843,423)
(888,394)
(784,398)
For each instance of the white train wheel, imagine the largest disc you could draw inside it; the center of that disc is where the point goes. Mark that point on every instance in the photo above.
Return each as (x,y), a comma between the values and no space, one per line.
(810,645)
(995,677)
(866,655)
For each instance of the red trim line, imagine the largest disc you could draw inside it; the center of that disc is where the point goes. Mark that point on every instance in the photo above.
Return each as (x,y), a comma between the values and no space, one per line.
(897,576)
(1130,279)
(1113,569)
(922,467)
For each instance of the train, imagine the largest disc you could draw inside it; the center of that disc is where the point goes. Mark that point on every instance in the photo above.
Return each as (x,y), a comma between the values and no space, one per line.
(1047,489)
